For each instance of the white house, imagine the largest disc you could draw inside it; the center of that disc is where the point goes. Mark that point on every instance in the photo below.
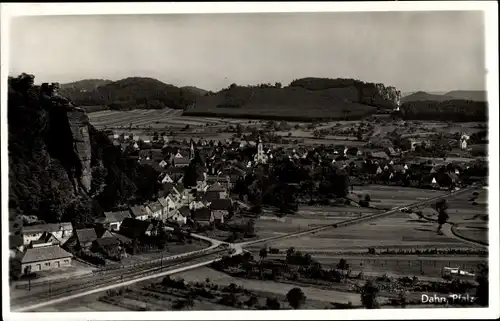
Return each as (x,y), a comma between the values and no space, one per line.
(201,185)
(196,204)
(218,188)
(115,219)
(177,217)
(62,231)
(163,163)
(167,179)
(463,141)
(139,212)
(154,210)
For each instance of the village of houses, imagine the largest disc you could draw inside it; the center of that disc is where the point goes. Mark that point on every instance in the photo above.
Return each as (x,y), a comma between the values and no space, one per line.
(48,247)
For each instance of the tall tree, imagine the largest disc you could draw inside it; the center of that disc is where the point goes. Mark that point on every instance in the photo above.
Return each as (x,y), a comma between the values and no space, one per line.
(369,295)
(296,298)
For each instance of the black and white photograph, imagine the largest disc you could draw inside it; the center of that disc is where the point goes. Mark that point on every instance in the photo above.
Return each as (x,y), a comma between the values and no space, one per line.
(251,160)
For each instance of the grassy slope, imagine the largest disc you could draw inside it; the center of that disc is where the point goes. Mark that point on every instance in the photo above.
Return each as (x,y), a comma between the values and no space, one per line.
(286,103)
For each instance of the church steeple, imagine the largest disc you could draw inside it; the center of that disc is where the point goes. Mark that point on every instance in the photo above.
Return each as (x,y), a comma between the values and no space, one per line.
(260,157)
(191,150)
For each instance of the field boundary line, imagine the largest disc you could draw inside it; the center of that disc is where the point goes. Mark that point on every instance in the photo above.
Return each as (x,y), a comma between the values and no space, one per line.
(468,239)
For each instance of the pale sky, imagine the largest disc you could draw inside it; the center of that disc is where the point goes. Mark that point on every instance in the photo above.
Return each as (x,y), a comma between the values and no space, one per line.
(430,51)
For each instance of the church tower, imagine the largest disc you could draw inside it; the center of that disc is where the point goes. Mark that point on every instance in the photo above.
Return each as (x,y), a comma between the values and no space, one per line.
(191,150)
(260,157)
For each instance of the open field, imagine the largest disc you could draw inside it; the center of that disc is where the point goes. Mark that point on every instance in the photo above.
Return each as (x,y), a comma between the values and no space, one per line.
(400,230)
(391,196)
(150,296)
(396,266)
(268,224)
(317,297)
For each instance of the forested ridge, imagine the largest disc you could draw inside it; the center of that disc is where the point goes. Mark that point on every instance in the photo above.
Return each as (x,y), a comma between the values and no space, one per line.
(132,93)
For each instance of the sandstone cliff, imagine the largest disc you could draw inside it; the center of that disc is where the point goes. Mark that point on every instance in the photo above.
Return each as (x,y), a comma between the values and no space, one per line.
(79,125)
(69,126)
(60,167)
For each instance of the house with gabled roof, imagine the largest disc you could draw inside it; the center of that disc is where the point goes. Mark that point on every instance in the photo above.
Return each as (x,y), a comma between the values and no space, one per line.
(202,215)
(218,188)
(154,210)
(134,228)
(167,179)
(61,231)
(102,243)
(115,219)
(45,240)
(45,258)
(139,212)
(85,237)
(180,215)
(221,209)
(181,162)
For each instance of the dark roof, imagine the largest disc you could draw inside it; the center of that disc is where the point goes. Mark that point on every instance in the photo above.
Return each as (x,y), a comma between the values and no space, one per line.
(117,216)
(162,202)
(174,170)
(216,187)
(168,187)
(202,214)
(179,188)
(44,253)
(218,215)
(47,227)
(155,206)
(107,241)
(135,226)
(138,210)
(121,238)
(210,196)
(46,237)
(182,161)
(105,234)
(220,204)
(86,235)
(185,211)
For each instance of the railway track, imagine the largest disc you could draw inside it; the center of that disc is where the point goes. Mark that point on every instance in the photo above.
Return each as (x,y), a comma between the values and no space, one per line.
(357,219)
(87,284)
(107,278)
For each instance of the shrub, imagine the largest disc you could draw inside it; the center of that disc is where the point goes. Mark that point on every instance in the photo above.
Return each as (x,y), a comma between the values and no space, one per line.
(364,203)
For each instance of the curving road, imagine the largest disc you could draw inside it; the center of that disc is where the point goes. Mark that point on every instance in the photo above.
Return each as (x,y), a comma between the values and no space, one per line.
(204,259)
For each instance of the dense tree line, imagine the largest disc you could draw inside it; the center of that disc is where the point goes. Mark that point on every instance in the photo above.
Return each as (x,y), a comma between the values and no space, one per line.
(133,93)
(449,110)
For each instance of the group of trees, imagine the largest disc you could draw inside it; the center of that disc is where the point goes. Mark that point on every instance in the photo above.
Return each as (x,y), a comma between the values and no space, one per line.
(450,110)
(282,185)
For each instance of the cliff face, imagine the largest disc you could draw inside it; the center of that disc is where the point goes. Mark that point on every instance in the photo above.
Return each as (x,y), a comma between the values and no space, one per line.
(49,152)
(79,125)
(380,96)
(60,167)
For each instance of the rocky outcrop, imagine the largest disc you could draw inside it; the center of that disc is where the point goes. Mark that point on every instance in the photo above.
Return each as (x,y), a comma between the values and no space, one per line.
(70,125)
(373,94)
(79,125)
(380,96)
